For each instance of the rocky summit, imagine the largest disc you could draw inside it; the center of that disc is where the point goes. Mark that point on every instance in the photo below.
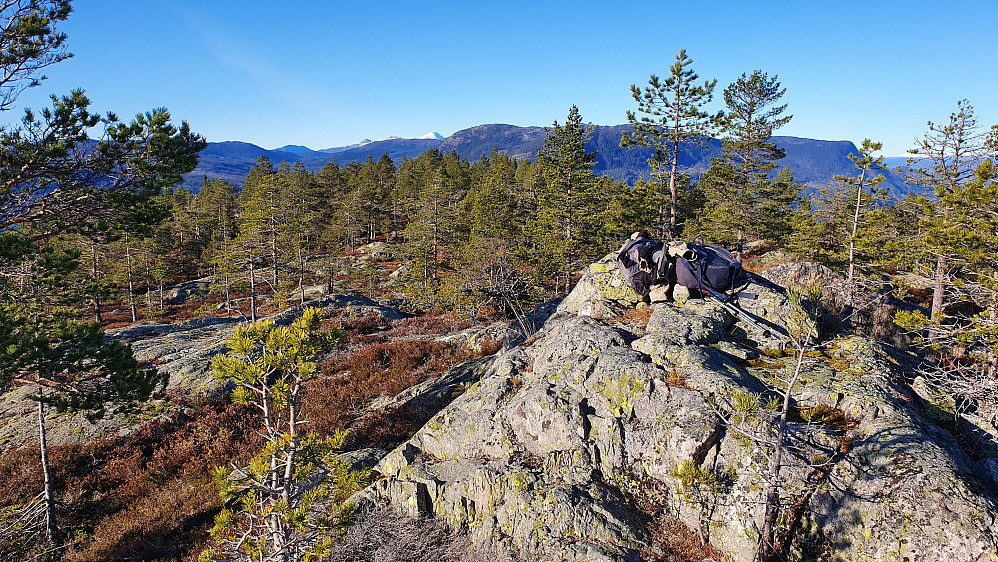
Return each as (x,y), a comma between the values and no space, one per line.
(557,446)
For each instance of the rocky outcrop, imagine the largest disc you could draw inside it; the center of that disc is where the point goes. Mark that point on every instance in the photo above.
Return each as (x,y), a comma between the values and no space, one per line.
(180,293)
(379,251)
(182,350)
(602,292)
(868,312)
(539,457)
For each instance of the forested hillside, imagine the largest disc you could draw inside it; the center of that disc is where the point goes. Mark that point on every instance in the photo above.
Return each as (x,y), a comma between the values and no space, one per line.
(812,161)
(216,366)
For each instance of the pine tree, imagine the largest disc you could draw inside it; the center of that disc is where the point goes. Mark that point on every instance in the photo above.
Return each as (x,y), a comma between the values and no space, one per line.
(672,121)
(866,164)
(961,226)
(373,183)
(214,211)
(743,198)
(30,41)
(280,493)
(302,205)
(749,122)
(264,224)
(433,227)
(944,162)
(183,234)
(494,197)
(42,344)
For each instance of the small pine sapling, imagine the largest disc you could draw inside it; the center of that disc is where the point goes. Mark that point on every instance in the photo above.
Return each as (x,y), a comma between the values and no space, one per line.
(290,496)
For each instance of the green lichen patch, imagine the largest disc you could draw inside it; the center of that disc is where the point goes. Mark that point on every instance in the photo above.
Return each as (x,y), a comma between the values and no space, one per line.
(621,391)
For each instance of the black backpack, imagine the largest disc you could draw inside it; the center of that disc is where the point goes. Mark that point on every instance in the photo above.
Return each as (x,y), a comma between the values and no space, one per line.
(643,263)
(715,269)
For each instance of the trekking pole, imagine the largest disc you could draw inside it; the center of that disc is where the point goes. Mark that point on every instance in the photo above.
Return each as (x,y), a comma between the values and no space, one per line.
(763,282)
(730,307)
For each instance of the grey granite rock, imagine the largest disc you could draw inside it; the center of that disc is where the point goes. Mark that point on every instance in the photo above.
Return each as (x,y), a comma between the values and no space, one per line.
(531,457)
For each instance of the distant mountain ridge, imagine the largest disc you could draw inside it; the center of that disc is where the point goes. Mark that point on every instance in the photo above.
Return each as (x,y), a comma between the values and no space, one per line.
(813,161)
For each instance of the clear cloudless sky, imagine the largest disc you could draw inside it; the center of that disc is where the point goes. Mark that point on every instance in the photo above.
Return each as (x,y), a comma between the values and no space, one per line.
(331,73)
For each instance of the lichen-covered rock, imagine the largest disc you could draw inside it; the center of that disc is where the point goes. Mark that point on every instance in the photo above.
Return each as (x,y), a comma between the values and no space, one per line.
(19,422)
(362,459)
(531,458)
(378,251)
(184,349)
(602,292)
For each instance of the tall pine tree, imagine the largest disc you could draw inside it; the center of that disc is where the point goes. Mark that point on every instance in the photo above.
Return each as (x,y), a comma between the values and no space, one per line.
(743,200)
(672,120)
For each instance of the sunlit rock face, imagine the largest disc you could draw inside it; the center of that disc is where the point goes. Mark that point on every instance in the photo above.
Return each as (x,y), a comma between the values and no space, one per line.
(543,453)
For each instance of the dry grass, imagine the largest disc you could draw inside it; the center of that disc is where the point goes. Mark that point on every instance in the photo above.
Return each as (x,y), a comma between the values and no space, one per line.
(489,346)
(191,308)
(636,316)
(669,539)
(356,326)
(433,323)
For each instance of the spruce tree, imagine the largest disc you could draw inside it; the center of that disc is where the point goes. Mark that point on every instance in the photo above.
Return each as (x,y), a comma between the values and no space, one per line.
(569,202)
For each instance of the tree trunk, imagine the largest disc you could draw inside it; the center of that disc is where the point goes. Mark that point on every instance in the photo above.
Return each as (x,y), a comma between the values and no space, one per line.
(93,273)
(993,371)
(767,541)
(436,221)
(301,273)
(938,289)
(852,239)
(674,211)
(51,530)
(180,251)
(252,292)
(128,260)
(148,286)
(225,275)
(273,257)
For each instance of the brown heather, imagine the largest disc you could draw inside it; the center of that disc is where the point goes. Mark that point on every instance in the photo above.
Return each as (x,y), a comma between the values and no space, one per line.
(350,381)
(145,496)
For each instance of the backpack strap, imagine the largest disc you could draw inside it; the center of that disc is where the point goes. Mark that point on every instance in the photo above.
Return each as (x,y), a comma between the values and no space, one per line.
(665,264)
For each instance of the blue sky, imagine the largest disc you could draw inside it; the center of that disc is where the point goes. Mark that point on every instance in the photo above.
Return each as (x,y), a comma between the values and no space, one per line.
(326,74)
